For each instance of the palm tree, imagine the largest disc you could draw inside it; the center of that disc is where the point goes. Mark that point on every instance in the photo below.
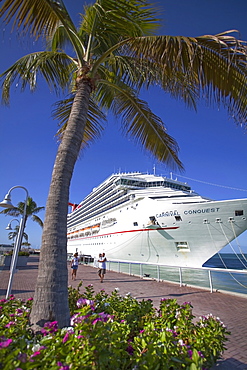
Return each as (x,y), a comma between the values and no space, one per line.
(31,211)
(104,64)
(13,234)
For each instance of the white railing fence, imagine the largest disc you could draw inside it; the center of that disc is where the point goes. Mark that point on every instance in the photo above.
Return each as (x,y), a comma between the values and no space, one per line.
(214,279)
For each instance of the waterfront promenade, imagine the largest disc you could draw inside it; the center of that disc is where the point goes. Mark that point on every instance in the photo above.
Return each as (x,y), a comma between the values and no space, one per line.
(231,309)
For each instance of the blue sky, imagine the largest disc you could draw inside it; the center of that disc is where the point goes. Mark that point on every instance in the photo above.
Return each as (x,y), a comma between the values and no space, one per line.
(212,147)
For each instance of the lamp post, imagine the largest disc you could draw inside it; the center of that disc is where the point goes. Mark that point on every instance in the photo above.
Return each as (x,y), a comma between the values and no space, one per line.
(9,227)
(6,203)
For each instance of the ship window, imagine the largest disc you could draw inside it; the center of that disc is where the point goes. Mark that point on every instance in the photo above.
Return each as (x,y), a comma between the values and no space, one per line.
(182,246)
(135,223)
(178,218)
(239,213)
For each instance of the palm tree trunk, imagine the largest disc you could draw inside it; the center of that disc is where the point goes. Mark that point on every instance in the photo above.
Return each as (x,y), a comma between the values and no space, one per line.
(51,292)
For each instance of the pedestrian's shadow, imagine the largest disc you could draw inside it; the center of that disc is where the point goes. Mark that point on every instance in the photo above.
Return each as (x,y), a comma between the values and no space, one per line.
(229,364)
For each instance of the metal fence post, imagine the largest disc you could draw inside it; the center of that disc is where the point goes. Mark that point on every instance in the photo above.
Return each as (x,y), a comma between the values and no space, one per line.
(210,281)
(180,277)
(158,272)
(141,274)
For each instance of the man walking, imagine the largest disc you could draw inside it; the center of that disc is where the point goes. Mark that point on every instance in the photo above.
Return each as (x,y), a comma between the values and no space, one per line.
(102,266)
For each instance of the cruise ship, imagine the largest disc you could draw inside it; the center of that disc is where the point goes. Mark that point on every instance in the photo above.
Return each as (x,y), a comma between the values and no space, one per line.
(153,219)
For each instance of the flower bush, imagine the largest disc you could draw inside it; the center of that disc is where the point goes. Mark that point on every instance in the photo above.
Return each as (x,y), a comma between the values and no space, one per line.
(20,253)
(111,332)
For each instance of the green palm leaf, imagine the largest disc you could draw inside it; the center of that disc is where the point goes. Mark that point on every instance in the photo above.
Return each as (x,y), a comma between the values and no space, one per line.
(138,73)
(56,69)
(37,220)
(214,65)
(140,123)
(31,210)
(13,234)
(42,18)
(106,22)
(38,16)
(93,128)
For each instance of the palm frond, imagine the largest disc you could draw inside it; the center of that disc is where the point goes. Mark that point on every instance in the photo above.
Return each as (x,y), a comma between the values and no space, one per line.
(13,234)
(59,39)
(14,212)
(43,18)
(38,220)
(143,126)
(37,209)
(138,73)
(36,16)
(56,68)
(93,128)
(31,210)
(106,22)
(62,39)
(215,65)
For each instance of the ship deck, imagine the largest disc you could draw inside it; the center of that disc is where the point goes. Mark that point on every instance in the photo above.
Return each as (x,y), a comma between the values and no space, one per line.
(231,309)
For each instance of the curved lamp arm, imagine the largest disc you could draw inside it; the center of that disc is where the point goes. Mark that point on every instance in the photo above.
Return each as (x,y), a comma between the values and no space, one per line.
(7,204)
(9,227)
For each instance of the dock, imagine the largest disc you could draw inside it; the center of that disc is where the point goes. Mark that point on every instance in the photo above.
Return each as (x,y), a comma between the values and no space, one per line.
(230,308)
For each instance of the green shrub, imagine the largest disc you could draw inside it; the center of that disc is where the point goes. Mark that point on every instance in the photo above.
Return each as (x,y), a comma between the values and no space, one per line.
(111,332)
(20,253)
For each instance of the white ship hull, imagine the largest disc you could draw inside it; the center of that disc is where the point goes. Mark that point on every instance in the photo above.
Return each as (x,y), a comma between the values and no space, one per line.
(175,231)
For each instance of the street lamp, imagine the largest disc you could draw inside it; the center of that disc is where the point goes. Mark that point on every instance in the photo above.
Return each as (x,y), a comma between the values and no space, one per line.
(9,227)
(6,203)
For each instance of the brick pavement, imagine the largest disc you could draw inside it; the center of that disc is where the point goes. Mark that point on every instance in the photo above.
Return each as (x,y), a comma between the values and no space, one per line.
(231,309)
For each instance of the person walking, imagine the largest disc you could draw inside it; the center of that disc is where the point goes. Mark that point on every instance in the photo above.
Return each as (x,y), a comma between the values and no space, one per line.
(74,266)
(102,266)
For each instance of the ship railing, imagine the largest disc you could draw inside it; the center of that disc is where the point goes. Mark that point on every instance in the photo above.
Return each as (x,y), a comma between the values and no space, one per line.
(209,278)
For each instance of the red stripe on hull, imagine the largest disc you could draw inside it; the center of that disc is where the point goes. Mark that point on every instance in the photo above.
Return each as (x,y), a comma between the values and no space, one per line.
(129,231)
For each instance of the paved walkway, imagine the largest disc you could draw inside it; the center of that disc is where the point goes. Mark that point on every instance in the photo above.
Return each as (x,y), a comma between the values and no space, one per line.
(231,309)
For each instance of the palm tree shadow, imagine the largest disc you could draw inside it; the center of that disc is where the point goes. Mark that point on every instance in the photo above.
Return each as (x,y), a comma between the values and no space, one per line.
(167,295)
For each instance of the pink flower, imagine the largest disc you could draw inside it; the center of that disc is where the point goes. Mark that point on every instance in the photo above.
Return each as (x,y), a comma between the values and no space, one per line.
(190,353)
(44,332)
(83,302)
(49,327)
(95,321)
(62,367)
(6,343)
(19,312)
(65,338)
(9,324)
